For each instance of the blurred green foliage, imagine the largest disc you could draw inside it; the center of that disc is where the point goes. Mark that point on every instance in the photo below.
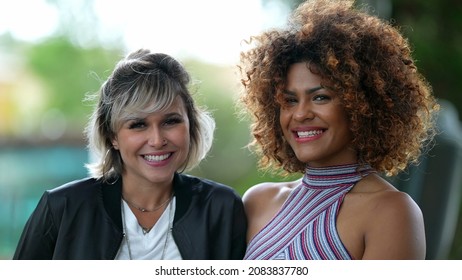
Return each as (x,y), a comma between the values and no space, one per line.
(434,30)
(70,72)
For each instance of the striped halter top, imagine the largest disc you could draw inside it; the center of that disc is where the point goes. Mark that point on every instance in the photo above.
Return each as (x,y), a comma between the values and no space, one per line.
(305,226)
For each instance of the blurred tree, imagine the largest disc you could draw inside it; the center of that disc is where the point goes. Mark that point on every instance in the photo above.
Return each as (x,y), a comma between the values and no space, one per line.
(79,23)
(70,72)
(434,29)
(60,70)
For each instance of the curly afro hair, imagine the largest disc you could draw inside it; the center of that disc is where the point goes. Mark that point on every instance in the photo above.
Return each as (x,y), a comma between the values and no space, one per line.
(365,60)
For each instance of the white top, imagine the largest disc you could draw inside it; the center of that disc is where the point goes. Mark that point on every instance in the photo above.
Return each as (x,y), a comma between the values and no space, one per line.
(149,246)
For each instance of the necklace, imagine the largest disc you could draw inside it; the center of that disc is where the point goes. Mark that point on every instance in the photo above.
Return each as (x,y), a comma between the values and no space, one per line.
(145,209)
(145,230)
(167,235)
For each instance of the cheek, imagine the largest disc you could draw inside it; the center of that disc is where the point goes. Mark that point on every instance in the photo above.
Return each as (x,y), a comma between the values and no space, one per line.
(130,141)
(284,117)
(344,126)
(181,136)
(186,138)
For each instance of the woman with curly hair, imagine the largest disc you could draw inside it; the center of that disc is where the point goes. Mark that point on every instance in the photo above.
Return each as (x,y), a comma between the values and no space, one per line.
(337,97)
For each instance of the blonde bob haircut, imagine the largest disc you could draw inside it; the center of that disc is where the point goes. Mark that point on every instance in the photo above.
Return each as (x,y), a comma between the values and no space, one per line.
(143,83)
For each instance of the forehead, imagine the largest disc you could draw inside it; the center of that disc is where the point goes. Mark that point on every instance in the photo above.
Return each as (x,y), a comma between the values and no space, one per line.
(299,75)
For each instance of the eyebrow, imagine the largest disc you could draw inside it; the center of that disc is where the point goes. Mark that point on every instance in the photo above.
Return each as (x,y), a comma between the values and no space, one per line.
(311,90)
(308,91)
(174,114)
(143,117)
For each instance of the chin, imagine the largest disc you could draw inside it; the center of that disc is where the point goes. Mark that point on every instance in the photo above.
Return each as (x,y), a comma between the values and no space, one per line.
(306,158)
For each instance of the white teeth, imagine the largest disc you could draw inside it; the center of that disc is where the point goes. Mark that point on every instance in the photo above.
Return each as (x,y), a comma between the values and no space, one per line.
(310,133)
(157,158)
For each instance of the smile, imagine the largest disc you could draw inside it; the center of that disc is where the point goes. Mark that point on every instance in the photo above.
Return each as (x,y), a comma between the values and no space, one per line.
(157,158)
(310,133)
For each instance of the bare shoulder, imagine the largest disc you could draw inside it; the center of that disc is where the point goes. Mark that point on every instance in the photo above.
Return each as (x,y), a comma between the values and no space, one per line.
(393,223)
(268,192)
(383,198)
(263,201)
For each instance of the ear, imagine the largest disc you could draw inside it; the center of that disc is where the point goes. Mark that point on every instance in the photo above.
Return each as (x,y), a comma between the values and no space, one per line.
(115,144)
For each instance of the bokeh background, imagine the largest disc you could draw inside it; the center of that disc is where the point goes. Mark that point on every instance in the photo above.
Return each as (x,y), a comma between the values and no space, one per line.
(55,52)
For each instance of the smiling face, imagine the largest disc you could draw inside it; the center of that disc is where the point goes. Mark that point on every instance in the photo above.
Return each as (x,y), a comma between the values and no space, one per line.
(154,146)
(313,120)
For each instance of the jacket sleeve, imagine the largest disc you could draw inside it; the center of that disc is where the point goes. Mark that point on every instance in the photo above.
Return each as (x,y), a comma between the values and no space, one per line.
(228,224)
(239,231)
(210,220)
(37,241)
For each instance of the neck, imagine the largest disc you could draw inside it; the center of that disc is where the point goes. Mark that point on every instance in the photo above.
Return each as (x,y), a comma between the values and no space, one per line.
(148,197)
(329,176)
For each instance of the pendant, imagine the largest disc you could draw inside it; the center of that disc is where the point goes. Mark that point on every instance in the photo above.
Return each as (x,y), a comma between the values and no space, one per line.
(145,230)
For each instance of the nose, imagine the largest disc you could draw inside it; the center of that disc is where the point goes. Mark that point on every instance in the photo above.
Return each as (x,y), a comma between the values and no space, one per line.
(156,139)
(303,111)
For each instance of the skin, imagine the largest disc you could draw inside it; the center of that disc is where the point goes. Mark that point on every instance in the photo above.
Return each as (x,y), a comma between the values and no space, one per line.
(152,147)
(375,221)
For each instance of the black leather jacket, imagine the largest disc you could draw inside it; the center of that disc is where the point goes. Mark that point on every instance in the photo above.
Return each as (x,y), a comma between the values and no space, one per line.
(82,220)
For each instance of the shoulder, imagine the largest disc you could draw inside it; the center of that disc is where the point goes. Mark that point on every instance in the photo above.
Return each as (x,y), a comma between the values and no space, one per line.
(269,191)
(396,207)
(397,231)
(75,192)
(263,201)
(68,196)
(80,186)
(393,224)
(384,198)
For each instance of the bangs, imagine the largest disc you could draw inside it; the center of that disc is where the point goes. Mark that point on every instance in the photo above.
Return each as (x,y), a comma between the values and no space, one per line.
(142,101)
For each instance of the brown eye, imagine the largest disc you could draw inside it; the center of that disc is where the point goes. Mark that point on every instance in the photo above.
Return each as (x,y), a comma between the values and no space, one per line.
(287,100)
(321,97)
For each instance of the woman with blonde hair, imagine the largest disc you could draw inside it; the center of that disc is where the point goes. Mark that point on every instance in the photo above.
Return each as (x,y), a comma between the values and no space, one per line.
(138,204)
